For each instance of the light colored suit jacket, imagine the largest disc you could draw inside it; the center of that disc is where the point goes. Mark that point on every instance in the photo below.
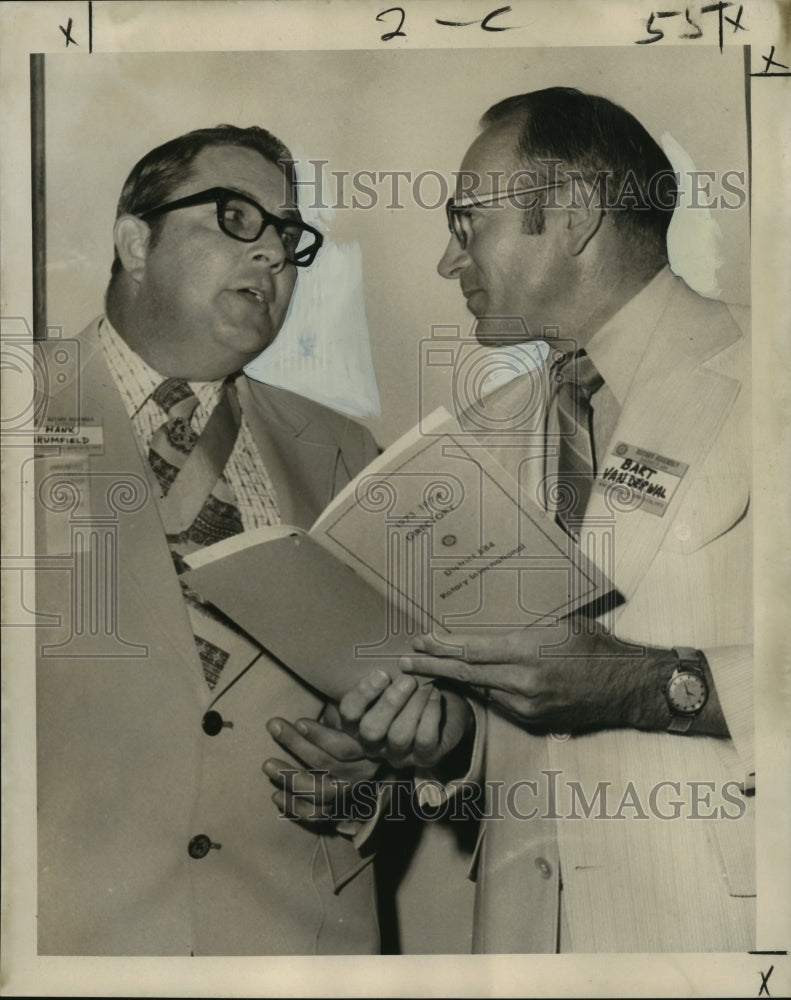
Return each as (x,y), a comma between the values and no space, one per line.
(127,777)
(637,881)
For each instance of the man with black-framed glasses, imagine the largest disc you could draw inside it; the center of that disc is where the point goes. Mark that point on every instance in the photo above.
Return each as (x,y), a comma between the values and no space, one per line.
(156,834)
(242,218)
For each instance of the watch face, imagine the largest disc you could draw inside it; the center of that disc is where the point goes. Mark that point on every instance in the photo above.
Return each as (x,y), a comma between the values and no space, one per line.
(687,693)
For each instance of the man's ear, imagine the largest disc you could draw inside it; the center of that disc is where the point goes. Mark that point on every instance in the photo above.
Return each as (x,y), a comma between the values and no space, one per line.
(131,237)
(582,225)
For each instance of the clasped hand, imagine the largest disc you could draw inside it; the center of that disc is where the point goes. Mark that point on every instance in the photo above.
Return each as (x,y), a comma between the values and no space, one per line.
(332,762)
(399,721)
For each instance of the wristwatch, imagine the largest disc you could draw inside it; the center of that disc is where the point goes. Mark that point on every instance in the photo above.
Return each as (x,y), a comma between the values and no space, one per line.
(687,691)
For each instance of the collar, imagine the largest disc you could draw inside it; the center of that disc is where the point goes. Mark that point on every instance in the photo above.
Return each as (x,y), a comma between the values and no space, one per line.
(617,348)
(137,380)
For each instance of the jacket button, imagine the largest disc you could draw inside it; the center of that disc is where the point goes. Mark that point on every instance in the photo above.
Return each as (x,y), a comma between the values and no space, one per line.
(544,867)
(560,737)
(200,846)
(213,722)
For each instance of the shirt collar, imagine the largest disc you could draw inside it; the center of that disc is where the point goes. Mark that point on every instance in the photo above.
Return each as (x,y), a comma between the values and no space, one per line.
(618,347)
(136,379)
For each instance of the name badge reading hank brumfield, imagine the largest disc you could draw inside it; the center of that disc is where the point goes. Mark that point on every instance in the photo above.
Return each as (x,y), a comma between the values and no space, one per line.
(70,433)
(64,446)
(652,478)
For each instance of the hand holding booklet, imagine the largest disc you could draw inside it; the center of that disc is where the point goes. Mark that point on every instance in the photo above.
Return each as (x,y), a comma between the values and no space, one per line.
(432,536)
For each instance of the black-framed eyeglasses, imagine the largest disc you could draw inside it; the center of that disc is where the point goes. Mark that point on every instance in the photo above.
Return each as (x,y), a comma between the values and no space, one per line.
(457,211)
(242,218)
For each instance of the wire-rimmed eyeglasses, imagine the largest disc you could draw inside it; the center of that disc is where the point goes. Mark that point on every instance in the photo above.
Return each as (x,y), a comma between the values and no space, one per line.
(242,218)
(458,212)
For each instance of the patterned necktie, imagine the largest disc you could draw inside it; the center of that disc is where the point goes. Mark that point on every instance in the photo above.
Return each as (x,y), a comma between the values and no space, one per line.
(205,510)
(577,380)
(196,502)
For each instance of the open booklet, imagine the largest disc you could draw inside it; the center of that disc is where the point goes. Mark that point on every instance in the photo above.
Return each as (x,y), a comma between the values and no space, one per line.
(432,536)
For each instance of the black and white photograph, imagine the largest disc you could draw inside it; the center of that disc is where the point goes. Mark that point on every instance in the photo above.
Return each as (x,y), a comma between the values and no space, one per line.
(394,437)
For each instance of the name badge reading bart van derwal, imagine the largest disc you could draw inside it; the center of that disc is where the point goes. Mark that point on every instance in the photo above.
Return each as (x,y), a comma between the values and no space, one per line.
(652,477)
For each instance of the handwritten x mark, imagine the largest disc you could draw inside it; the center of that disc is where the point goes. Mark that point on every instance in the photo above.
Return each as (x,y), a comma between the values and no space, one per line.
(764,980)
(67,32)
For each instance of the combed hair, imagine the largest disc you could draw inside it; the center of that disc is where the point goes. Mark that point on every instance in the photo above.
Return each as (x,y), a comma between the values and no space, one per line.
(606,145)
(161,171)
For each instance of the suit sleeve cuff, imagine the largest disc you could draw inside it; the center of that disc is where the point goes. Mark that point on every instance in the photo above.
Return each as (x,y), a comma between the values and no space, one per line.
(732,672)
(359,831)
(432,792)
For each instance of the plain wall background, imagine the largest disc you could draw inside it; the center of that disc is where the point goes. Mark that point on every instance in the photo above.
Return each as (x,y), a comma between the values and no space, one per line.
(362,110)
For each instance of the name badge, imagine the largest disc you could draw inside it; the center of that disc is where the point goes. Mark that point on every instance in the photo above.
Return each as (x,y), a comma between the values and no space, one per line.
(652,478)
(63,449)
(70,433)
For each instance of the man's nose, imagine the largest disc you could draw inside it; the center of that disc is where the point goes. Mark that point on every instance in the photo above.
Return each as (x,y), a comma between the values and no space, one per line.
(453,260)
(269,248)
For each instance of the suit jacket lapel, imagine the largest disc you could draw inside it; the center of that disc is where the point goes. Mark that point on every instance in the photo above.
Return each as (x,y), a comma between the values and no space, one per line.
(300,465)
(675,408)
(146,582)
